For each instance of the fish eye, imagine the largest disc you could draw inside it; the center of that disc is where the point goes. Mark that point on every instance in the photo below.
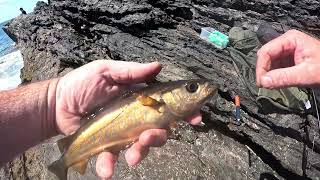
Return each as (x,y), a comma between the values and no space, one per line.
(192,87)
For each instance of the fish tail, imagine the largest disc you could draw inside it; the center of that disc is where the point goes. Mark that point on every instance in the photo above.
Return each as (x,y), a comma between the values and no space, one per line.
(59,168)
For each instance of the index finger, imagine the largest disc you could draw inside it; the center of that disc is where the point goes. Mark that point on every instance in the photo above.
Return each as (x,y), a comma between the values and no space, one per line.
(273,51)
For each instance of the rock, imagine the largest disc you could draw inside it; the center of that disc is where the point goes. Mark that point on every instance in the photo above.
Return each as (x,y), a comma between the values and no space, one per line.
(64,35)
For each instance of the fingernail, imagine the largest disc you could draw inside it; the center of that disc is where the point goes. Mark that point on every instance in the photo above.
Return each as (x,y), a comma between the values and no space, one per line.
(156,63)
(130,159)
(266,81)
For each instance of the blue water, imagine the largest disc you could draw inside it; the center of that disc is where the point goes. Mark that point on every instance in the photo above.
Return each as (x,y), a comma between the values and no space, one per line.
(11,62)
(6,44)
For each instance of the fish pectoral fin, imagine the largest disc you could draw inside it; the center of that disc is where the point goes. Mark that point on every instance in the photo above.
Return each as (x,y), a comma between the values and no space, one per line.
(64,143)
(148,101)
(81,166)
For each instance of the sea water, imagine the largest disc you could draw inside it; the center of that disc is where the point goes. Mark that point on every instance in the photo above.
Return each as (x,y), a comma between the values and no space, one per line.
(11,62)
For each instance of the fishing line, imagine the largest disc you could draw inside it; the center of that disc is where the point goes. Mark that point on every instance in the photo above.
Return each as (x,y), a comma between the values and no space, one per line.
(317,111)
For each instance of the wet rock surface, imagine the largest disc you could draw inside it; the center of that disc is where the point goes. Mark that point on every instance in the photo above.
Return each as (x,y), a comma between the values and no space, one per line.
(64,35)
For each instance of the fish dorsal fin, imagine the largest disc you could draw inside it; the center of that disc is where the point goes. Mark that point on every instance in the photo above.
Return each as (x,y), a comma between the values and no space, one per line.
(64,143)
(81,166)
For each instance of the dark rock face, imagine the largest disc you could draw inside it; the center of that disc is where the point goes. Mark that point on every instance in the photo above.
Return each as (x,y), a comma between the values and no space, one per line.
(64,35)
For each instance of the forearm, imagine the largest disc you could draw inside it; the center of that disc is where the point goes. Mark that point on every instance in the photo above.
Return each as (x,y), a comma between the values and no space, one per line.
(27,117)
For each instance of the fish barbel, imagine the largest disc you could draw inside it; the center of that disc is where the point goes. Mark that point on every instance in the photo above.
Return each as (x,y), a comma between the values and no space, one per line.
(115,127)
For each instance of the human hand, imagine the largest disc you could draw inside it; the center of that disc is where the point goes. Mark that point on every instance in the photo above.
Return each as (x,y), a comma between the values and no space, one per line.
(96,83)
(292,59)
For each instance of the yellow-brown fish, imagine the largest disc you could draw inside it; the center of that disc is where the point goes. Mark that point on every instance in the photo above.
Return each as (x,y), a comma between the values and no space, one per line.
(115,127)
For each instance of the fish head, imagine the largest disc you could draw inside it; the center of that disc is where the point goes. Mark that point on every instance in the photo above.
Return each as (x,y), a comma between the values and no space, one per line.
(187,97)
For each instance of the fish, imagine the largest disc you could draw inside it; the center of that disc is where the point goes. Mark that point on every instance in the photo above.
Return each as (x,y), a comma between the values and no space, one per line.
(120,123)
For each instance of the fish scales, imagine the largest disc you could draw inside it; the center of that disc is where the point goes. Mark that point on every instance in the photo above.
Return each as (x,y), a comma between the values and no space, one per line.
(126,118)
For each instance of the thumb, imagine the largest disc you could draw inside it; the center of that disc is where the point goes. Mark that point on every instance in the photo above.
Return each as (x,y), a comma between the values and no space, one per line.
(131,72)
(284,77)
